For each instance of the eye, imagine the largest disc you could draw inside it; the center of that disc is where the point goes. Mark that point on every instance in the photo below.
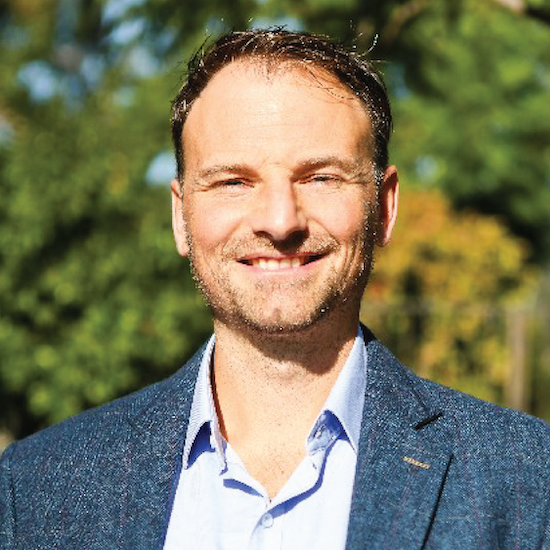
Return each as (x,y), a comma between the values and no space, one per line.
(323,179)
(231,185)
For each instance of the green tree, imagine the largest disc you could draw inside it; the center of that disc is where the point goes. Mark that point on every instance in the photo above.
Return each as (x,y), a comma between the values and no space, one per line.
(440,303)
(94,301)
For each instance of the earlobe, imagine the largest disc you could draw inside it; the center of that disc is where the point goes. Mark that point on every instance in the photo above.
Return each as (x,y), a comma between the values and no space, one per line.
(178,223)
(389,199)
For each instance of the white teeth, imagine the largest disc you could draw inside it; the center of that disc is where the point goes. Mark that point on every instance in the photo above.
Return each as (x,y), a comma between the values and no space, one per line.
(272,264)
(284,264)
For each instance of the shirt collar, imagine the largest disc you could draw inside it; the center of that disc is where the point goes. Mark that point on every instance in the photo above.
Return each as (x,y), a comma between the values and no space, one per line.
(347,397)
(345,401)
(203,411)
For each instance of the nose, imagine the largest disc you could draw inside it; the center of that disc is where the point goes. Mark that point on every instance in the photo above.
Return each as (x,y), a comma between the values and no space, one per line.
(278,213)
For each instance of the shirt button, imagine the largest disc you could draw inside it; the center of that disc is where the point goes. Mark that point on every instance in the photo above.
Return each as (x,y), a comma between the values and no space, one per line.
(267,520)
(320,431)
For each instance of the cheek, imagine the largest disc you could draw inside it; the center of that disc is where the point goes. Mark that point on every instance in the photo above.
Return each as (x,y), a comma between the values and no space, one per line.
(345,221)
(210,227)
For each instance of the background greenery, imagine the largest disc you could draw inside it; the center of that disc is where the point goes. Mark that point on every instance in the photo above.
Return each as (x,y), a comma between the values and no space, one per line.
(95,302)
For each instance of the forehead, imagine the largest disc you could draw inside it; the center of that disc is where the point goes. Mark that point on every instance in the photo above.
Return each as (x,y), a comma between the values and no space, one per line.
(252,102)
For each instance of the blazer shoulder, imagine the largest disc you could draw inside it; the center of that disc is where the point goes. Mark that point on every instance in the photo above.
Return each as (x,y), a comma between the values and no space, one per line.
(479,419)
(478,425)
(112,421)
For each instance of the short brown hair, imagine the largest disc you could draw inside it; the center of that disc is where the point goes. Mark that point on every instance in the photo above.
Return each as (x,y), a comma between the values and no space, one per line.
(279,45)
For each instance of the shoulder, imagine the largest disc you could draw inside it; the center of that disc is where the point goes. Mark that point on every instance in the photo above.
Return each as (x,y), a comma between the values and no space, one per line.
(471,474)
(488,426)
(475,426)
(109,425)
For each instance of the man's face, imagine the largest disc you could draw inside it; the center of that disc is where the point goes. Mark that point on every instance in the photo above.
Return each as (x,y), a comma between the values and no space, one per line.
(280,206)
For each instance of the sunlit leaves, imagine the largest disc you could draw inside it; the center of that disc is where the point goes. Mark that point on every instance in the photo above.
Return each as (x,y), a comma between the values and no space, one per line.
(442,290)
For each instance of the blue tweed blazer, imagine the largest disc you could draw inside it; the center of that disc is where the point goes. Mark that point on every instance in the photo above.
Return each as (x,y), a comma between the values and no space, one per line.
(436,470)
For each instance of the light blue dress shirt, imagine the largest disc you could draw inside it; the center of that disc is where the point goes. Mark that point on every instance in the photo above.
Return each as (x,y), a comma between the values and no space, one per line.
(219,506)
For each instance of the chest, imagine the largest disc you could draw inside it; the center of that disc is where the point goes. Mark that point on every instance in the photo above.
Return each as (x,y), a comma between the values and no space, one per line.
(229,508)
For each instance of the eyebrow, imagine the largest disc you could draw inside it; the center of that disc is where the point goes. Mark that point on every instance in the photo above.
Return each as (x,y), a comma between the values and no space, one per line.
(314,163)
(222,168)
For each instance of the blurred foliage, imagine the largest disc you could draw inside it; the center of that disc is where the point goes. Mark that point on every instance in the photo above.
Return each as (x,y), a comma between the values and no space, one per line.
(94,301)
(440,294)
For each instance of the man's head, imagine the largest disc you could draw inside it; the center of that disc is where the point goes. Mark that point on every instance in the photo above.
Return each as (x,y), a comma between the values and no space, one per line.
(281,199)
(273,48)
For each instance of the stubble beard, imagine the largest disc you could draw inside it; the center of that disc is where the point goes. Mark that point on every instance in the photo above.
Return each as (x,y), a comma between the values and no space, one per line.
(234,307)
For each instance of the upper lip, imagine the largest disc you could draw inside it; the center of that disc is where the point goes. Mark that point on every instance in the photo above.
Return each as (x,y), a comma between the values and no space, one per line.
(304,257)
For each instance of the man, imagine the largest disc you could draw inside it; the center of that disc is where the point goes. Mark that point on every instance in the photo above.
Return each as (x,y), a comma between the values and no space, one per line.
(293,427)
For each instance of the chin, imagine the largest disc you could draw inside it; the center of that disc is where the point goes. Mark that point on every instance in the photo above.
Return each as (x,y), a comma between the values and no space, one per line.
(280,322)
(280,327)
(276,325)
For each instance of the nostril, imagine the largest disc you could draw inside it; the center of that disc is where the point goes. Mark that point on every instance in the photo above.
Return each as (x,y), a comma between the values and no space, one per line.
(278,213)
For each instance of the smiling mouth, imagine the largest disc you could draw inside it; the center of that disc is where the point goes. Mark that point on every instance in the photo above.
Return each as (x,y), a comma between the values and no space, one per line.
(274,264)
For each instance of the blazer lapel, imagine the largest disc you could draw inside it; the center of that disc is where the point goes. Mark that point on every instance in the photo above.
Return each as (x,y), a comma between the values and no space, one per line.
(403,459)
(154,458)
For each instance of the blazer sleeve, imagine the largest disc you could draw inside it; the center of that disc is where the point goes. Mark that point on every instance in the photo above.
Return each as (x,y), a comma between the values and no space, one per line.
(7,513)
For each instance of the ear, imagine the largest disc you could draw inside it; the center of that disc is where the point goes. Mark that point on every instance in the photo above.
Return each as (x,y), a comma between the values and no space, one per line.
(389,199)
(178,223)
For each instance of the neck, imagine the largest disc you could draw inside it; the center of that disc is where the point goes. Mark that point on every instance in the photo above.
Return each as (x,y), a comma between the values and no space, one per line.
(276,381)
(269,388)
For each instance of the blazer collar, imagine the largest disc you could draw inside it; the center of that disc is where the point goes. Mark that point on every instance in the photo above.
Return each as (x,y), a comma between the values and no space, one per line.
(159,420)
(403,460)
